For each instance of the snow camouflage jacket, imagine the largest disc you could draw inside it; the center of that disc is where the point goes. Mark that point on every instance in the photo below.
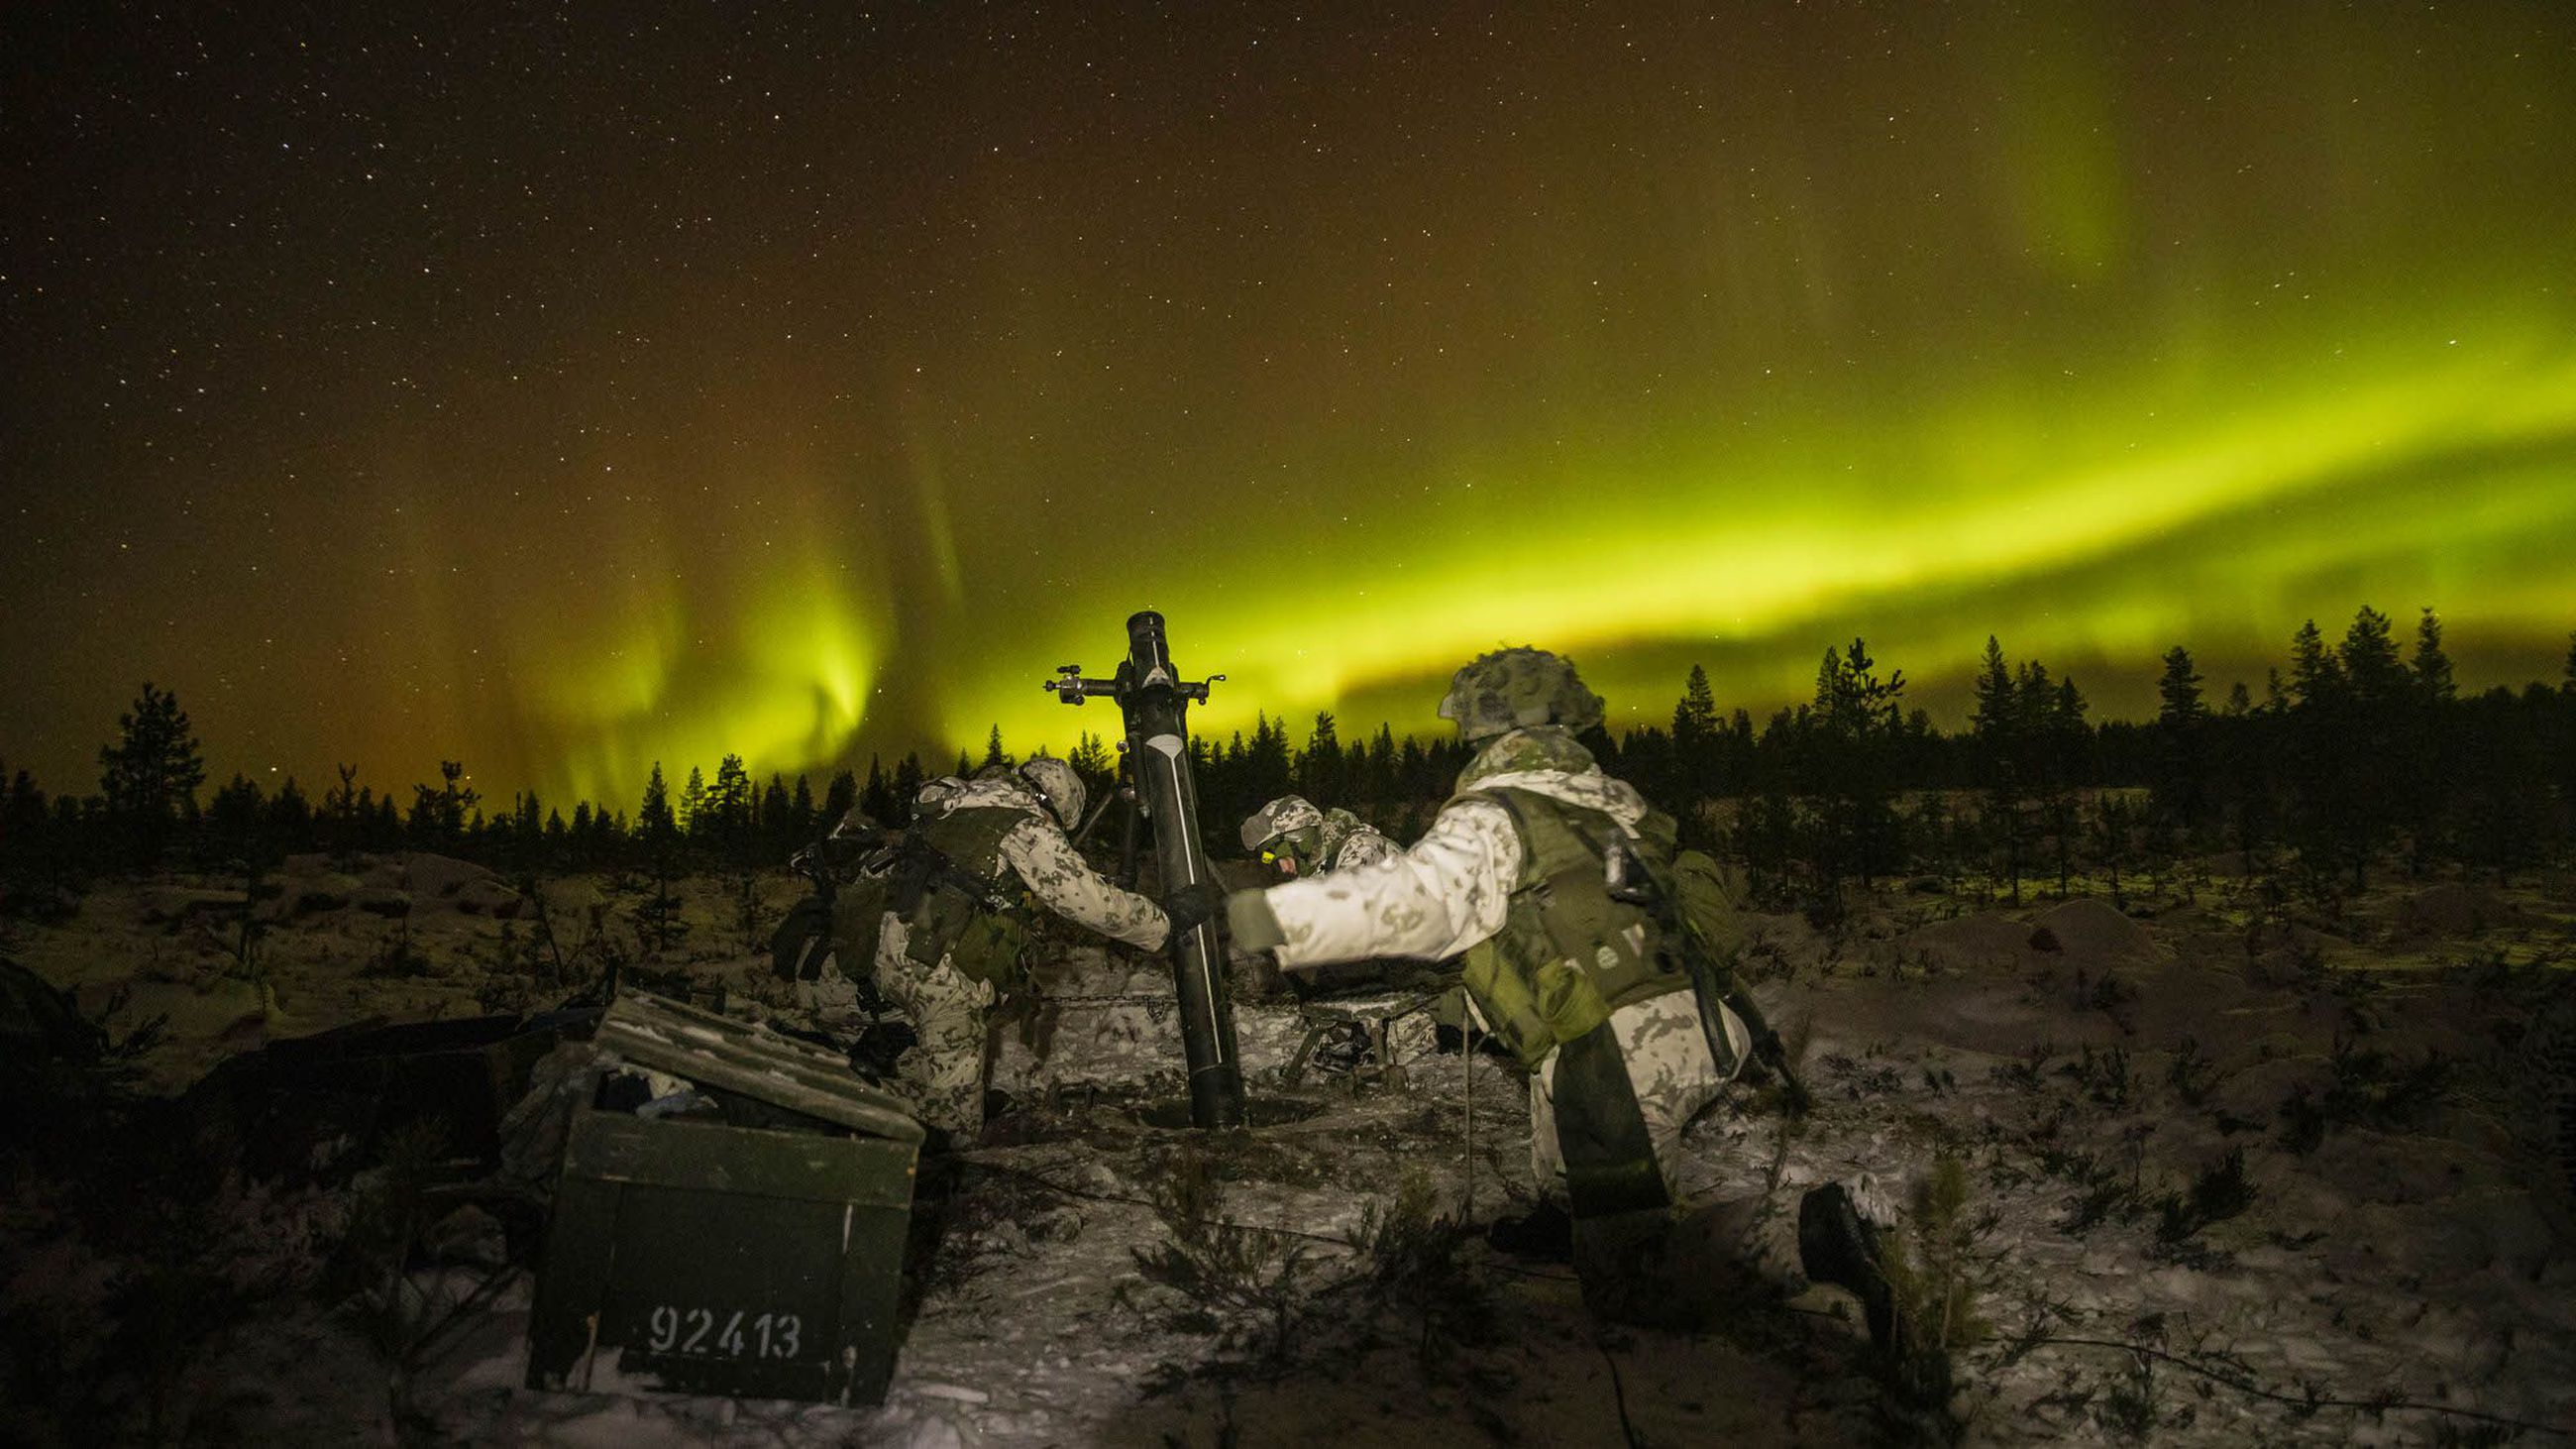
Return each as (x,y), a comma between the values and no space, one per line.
(1453,889)
(1034,848)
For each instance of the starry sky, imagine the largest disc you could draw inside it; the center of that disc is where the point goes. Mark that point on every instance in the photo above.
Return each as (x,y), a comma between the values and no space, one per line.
(565,388)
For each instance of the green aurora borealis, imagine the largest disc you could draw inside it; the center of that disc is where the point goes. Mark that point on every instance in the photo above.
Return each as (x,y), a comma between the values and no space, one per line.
(564,394)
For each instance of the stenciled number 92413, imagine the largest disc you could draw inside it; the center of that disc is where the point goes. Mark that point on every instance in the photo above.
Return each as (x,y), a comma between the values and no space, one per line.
(712,1333)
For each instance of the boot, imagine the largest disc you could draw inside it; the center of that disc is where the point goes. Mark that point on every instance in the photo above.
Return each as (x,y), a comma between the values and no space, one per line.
(1837,1245)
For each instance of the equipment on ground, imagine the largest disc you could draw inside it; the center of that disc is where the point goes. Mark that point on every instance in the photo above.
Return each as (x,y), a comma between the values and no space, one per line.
(742,1235)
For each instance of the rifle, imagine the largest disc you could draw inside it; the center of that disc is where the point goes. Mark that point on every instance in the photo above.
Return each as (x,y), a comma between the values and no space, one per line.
(1711,974)
(858,846)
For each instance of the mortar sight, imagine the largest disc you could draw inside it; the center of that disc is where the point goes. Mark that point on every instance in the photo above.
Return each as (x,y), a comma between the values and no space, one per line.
(1155,702)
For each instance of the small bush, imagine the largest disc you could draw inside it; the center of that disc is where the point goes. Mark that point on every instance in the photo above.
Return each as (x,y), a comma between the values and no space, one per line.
(1932,1268)
(1242,1283)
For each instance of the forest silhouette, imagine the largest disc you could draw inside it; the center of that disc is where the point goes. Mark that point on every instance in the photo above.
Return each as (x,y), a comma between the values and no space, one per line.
(2360,756)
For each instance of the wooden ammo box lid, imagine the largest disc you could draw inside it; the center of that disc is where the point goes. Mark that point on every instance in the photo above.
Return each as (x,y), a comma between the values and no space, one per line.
(739,1056)
(708,1258)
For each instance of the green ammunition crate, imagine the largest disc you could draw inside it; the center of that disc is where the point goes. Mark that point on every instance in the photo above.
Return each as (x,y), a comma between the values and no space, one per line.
(701,1257)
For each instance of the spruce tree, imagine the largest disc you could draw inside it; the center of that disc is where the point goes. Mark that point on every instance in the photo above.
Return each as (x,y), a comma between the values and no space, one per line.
(2370,754)
(729,804)
(2422,787)
(1091,759)
(876,797)
(2182,727)
(1695,745)
(149,777)
(691,812)
(439,814)
(778,829)
(655,821)
(2314,678)
(1996,728)
(1318,769)
(2431,666)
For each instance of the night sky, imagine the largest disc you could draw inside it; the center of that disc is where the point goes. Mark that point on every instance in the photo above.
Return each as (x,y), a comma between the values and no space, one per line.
(564,389)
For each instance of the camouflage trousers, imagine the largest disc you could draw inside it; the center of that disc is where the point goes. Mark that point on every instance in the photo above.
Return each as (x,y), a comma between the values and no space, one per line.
(1665,1050)
(943,1072)
(1643,1265)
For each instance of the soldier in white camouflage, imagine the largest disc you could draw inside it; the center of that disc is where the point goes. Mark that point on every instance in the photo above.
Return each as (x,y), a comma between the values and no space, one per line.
(1296,839)
(948,943)
(1521,874)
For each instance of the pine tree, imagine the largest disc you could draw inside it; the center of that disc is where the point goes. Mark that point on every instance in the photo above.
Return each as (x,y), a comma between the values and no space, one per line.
(778,829)
(1995,726)
(2317,722)
(2315,680)
(150,776)
(995,757)
(439,814)
(1696,743)
(1092,761)
(1379,787)
(728,805)
(876,797)
(654,819)
(1318,771)
(1695,717)
(1849,742)
(2376,717)
(2422,789)
(2431,666)
(691,812)
(2182,728)
(2062,725)
(1266,773)
(2368,658)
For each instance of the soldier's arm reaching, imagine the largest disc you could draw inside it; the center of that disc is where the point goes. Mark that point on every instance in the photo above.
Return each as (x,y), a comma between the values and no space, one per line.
(1448,892)
(1059,877)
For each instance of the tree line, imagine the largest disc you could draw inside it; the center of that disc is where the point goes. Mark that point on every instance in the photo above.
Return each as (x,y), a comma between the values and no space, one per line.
(2360,756)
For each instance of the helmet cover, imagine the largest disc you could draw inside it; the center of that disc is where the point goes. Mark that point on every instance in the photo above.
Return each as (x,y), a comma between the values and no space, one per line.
(1058,785)
(1515,688)
(1280,817)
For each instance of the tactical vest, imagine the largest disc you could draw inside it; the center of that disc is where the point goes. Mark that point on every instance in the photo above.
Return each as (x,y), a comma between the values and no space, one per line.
(1571,951)
(943,917)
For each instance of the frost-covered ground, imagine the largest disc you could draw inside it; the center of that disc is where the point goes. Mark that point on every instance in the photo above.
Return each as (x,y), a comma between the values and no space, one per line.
(2229,1171)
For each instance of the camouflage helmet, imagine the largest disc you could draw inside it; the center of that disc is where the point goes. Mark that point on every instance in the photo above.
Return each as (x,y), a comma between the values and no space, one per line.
(1283,816)
(1514,688)
(1058,785)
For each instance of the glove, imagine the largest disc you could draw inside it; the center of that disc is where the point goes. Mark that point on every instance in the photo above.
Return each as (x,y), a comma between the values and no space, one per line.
(1251,922)
(1193,906)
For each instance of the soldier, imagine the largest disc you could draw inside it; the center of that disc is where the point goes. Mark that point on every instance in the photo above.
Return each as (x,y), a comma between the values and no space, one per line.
(949,940)
(1530,873)
(1293,837)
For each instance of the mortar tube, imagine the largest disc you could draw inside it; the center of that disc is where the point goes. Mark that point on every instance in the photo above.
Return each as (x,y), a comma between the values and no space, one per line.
(1156,709)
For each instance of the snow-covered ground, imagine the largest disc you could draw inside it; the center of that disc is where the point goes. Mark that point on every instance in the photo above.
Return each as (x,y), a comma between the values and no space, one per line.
(2229,1171)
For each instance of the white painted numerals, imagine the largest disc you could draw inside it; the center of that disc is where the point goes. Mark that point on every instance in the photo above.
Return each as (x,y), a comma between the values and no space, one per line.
(712,1333)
